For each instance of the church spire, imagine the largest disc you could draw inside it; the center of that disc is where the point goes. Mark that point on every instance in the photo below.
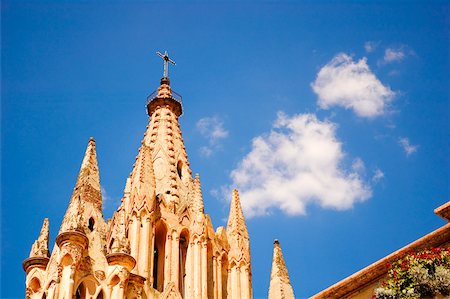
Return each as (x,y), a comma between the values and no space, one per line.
(163,137)
(280,284)
(86,191)
(236,221)
(88,182)
(40,246)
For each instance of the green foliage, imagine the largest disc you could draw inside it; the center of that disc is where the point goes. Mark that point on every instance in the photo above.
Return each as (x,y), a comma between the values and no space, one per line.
(422,274)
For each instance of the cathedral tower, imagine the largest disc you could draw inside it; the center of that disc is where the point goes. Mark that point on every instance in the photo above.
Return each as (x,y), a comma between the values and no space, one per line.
(159,243)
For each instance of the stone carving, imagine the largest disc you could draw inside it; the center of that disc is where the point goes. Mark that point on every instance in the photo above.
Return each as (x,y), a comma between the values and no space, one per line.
(174,230)
(100,275)
(280,284)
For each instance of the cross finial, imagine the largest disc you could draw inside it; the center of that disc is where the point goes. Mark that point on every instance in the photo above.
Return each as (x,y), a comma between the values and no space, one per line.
(166,59)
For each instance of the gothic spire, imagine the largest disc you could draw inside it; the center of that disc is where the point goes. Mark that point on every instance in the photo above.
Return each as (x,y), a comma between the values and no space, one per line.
(88,182)
(86,191)
(236,220)
(280,284)
(40,246)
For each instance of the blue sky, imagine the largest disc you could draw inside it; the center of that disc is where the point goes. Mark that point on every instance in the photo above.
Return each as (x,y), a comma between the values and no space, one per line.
(331,118)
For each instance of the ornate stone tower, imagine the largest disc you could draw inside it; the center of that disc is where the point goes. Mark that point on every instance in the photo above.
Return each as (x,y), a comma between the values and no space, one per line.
(159,243)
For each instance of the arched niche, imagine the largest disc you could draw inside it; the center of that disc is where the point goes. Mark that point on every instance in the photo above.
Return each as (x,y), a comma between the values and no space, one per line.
(35,285)
(86,289)
(159,255)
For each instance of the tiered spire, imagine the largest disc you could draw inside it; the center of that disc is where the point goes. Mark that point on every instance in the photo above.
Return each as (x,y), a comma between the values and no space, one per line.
(280,284)
(87,190)
(40,246)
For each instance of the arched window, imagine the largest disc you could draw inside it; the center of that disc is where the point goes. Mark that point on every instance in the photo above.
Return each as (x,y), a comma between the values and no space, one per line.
(91,224)
(159,255)
(100,295)
(180,168)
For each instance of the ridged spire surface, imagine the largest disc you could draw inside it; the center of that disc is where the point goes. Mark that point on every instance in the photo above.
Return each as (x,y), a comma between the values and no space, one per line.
(280,284)
(143,177)
(87,191)
(236,220)
(197,202)
(88,182)
(40,246)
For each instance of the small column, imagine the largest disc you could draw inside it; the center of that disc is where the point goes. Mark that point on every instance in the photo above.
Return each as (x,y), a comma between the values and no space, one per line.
(167,267)
(152,251)
(235,290)
(197,272)
(144,246)
(136,226)
(71,282)
(176,258)
(219,278)
(204,270)
(245,290)
(214,261)
(190,271)
(229,288)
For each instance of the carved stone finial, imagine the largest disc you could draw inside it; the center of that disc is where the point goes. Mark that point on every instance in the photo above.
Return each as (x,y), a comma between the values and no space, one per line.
(280,284)
(143,177)
(197,200)
(40,246)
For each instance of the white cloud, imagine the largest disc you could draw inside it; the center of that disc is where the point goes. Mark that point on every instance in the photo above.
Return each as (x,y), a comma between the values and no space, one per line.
(298,163)
(358,165)
(407,146)
(377,176)
(370,46)
(109,204)
(206,151)
(352,85)
(213,130)
(393,55)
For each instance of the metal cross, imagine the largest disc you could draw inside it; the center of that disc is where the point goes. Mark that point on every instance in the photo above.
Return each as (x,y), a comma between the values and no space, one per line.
(166,59)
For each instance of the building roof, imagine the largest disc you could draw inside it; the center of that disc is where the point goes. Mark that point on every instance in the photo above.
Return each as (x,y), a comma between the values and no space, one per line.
(376,270)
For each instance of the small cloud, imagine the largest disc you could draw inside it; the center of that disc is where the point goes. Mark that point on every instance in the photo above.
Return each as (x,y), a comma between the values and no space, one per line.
(370,46)
(377,176)
(206,151)
(358,165)
(213,130)
(407,146)
(285,170)
(393,55)
(109,204)
(352,85)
